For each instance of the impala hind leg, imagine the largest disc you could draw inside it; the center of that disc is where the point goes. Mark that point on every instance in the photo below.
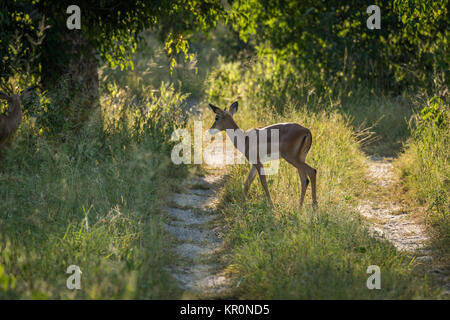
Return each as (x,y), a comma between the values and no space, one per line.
(311,173)
(304,184)
(249,180)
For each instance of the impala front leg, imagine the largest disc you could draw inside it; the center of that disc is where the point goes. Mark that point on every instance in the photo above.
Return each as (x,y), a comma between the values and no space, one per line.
(262,177)
(249,180)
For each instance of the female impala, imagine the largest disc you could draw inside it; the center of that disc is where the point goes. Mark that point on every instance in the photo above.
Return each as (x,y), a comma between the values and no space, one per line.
(294,144)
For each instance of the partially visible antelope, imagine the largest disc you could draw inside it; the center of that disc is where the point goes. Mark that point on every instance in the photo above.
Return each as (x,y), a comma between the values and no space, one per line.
(11,121)
(294,144)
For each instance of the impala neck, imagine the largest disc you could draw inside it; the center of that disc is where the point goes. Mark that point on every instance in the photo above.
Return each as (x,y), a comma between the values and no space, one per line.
(238,132)
(15,111)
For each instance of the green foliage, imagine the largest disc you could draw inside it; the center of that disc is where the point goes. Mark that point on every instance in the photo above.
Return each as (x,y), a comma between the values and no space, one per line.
(268,82)
(154,112)
(434,115)
(21,38)
(6,282)
(94,199)
(330,39)
(111,27)
(51,110)
(254,111)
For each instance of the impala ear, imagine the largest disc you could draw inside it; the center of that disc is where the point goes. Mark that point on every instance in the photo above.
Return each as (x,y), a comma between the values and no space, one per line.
(233,108)
(215,109)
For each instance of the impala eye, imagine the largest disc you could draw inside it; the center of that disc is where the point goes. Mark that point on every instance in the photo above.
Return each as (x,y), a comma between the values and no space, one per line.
(217,118)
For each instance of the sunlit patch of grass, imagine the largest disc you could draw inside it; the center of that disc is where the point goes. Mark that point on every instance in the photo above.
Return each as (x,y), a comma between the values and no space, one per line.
(292,253)
(94,201)
(380,120)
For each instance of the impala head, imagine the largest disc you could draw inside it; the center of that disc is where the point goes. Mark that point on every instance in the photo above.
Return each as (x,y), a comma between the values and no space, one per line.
(15,100)
(224,119)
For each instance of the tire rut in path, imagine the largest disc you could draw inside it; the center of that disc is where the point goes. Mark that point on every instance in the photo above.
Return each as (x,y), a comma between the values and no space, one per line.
(387,217)
(193,224)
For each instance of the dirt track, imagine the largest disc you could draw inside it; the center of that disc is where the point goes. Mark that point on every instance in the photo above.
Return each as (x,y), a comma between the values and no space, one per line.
(387,217)
(193,224)
(388,220)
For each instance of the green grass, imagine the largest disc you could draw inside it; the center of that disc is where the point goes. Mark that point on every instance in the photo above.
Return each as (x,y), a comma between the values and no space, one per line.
(424,167)
(381,121)
(94,200)
(285,254)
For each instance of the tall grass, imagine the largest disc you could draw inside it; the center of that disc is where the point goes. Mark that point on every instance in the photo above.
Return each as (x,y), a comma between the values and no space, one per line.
(288,253)
(94,201)
(381,119)
(425,169)
(94,198)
